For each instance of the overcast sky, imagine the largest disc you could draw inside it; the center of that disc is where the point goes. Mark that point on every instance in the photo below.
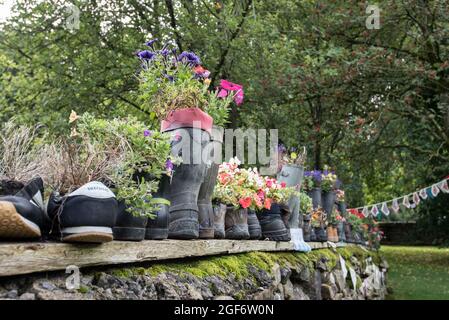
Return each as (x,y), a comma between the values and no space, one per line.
(5,6)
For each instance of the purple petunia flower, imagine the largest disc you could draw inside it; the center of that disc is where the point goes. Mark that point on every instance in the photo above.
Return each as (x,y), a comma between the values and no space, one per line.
(169,165)
(164,52)
(316,175)
(189,58)
(146,55)
(147,133)
(151,43)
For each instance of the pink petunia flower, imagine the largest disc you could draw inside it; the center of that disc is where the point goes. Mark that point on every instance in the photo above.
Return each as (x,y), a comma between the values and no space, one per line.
(227,86)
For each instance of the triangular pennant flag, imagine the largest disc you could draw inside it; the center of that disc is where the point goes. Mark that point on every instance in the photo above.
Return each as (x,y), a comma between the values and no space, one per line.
(379,216)
(395,205)
(365,212)
(406,202)
(435,190)
(374,211)
(416,198)
(429,193)
(423,194)
(443,186)
(385,209)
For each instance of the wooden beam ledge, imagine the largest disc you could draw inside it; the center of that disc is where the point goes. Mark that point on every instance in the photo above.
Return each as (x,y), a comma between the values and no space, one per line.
(30,257)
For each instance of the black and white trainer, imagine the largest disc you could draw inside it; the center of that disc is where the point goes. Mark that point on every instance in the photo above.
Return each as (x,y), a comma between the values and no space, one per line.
(22,216)
(87,214)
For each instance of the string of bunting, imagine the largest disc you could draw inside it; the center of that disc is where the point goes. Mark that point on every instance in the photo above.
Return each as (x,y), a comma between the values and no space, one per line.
(408,201)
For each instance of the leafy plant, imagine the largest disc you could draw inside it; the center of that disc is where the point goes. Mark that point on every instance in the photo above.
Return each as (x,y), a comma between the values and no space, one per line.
(146,153)
(169,81)
(312,179)
(305,203)
(118,152)
(334,218)
(328,179)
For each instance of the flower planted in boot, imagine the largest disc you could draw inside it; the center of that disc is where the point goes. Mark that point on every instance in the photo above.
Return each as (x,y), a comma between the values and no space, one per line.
(22,215)
(127,226)
(86,215)
(273,227)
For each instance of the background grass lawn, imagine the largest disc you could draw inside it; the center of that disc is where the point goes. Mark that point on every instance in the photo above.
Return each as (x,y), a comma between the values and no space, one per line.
(417,272)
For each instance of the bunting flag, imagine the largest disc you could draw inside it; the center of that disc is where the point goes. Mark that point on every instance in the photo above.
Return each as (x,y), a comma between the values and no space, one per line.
(423,194)
(395,205)
(406,202)
(374,211)
(416,198)
(365,212)
(409,201)
(443,186)
(435,190)
(385,209)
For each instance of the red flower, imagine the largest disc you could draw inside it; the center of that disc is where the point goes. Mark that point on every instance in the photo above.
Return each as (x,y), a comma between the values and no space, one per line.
(269,183)
(267,203)
(245,202)
(283,184)
(199,70)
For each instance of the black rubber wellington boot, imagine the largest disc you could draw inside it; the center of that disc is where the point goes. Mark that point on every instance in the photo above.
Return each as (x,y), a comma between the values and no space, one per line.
(22,216)
(186,182)
(206,211)
(306,227)
(272,224)
(127,226)
(157,228)
(321,234)
(255,231)
(219,221)
(86,215)
(236,224)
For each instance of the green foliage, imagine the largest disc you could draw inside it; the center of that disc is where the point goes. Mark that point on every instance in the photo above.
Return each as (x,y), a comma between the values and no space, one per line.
(167,85)
(144,155)
(305,203)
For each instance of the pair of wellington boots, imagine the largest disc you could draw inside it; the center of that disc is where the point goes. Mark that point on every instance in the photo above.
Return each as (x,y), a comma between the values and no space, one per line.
(189,192)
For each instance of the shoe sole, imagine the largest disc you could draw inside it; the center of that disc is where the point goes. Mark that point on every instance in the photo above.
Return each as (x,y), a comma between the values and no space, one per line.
(87,234)
(14,226)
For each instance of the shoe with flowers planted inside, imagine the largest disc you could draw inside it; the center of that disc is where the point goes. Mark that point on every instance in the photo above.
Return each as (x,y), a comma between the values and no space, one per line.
(87,214)
(22,215)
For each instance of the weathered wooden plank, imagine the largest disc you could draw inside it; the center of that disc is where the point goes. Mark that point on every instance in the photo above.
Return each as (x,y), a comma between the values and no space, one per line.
(25,258)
